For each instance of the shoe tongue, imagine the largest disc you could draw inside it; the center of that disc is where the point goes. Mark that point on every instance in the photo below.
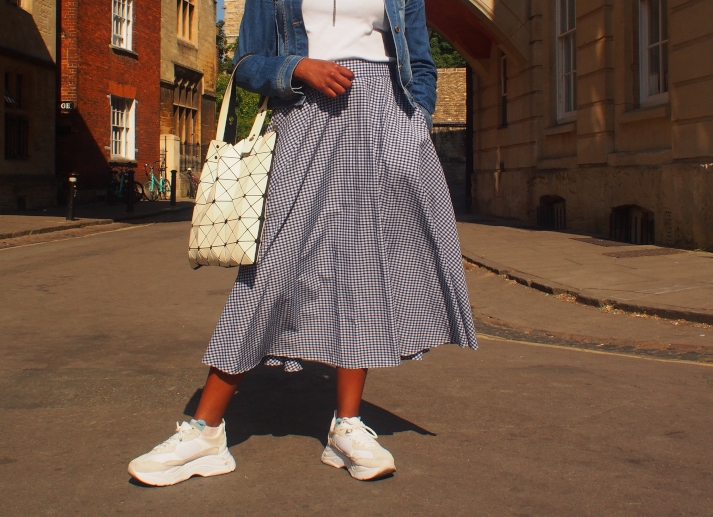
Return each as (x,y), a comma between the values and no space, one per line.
(198,424)
(350,420)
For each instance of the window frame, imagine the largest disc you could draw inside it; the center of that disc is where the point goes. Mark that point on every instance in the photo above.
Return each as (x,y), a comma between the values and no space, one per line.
(122,12)
(503,89)
(186,20)
(645,97)
(187,113)
(16,118)
(566,36)
(127,128)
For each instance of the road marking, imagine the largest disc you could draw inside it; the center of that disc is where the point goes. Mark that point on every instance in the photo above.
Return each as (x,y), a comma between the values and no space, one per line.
(133,227)
(589,351)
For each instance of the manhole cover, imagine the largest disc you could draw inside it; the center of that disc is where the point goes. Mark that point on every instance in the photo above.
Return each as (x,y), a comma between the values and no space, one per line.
(602,242)
(643,253)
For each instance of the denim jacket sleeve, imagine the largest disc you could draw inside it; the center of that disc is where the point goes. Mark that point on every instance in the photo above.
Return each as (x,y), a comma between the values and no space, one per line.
(262,69)
(423,87)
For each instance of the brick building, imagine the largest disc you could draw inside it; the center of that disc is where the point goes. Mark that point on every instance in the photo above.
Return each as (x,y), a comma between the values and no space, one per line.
(109,72)
(27,112)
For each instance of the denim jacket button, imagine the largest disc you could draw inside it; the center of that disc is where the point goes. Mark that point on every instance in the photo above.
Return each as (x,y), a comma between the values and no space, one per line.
(397,29)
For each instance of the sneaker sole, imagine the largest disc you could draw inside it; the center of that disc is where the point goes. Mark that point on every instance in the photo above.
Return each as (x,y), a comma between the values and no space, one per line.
(334,458)
(213,465)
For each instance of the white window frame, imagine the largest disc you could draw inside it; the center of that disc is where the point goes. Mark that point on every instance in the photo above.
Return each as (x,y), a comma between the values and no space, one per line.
(122,18)
(649,43)
(123,128)
(566,59)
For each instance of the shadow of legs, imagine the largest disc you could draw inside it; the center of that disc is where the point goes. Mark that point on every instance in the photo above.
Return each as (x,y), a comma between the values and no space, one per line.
(272,402)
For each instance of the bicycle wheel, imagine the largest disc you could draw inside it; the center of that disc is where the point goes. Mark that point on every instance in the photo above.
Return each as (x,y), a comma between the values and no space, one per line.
(151,190)
(138,191)
(165,189)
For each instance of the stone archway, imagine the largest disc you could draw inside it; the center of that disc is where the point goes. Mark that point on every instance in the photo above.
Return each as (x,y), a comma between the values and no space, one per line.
(473,26)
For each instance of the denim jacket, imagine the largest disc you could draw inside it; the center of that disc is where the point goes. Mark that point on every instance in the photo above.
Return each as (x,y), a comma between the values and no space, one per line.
(273,40)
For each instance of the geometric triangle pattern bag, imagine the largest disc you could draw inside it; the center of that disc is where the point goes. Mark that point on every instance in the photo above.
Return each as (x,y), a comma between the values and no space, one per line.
(230,203)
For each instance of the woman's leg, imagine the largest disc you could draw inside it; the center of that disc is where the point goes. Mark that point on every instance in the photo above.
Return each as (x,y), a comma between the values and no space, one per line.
(350,385)
(217,394)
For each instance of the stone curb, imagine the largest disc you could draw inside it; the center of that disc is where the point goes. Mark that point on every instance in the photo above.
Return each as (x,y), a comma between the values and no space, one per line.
(91,222)
(550,287)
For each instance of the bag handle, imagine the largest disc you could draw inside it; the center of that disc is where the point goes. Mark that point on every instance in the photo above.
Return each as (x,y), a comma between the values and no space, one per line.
(228,125)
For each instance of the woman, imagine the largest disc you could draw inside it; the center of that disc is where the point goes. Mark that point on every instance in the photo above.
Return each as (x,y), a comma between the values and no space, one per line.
(360,264)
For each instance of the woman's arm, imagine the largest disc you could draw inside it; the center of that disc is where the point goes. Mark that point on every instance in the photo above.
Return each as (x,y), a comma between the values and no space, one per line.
(424,71)
(263,71)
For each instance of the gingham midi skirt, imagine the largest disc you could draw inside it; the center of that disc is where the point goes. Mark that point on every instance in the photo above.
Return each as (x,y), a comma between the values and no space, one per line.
(360,265)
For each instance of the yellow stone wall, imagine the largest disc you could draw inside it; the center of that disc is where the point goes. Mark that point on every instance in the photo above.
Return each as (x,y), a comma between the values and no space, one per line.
(28,49)
(616,149)
(198,55)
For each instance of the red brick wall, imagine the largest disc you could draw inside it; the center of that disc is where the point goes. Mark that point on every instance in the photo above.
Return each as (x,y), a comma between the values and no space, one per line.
(91,70)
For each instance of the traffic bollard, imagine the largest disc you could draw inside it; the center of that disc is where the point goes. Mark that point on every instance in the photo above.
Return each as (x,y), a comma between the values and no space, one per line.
(174,172)
(130,191)
(72,196)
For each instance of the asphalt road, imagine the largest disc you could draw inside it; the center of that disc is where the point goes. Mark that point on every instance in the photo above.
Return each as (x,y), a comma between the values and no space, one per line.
(102,337)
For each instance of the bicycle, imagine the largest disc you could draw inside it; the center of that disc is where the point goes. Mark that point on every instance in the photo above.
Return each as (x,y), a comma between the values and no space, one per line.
(118,186)
(156,187)
(192,183)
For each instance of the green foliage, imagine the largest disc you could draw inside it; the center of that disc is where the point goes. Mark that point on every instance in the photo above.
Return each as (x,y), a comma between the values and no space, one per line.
(225,49)
(443,54)
(247,103)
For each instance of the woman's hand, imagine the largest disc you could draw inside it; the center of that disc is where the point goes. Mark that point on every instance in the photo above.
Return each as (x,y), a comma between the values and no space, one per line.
(325,76)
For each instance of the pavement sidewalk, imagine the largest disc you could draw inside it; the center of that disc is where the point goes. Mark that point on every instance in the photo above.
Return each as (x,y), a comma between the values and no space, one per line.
(31,222)
(670,283)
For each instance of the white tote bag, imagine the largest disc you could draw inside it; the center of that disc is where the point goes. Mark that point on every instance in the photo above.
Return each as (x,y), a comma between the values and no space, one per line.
(230,203)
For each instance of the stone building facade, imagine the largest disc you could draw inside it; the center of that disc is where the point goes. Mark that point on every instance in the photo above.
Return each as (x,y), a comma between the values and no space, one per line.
(27,112)
(597,116)
(449,132)
(187,78)
(234,10)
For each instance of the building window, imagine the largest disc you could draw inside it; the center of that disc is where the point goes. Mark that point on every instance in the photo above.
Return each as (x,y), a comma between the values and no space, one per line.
(503,90)
(184,15)
(653,45)
(123,128)
(566,59)
(122,16)
(186,103)
(17,125)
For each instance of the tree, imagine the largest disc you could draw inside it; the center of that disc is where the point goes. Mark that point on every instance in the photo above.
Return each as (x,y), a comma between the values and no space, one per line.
(443,54)
(247,103)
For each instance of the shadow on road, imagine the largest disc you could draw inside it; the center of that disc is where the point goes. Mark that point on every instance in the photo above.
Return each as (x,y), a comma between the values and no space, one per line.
(272,402)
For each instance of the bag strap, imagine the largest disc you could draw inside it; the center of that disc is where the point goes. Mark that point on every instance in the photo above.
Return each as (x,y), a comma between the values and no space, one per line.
(228,125)
(251,140)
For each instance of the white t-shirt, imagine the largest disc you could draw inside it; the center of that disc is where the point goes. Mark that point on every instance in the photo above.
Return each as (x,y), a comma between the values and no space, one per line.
(346,29)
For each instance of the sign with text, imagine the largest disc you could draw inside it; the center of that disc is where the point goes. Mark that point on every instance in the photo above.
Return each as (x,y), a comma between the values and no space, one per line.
(66,105)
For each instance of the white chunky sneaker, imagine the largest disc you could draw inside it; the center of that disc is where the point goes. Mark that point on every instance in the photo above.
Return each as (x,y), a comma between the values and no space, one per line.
(352,445)
(187,453)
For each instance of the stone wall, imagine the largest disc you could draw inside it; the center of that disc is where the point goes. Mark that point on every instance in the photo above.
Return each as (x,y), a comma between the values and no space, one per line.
(28,182)
(234,10)
(199,55)
(449,132)
(621,144)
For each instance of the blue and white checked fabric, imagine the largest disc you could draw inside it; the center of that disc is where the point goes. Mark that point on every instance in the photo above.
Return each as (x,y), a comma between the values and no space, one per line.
(360,265)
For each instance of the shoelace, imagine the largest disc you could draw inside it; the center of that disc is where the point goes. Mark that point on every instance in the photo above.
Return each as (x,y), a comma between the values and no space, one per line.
(367,436)
(173,440)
